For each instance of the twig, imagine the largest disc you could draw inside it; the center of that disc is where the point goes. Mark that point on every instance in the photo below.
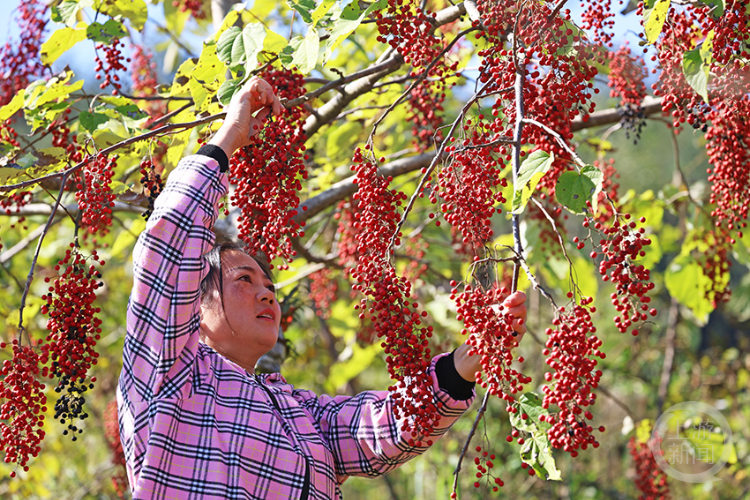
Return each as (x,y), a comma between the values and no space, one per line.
(431,168)
(170,115)
(421,77)
(517,136)
(666,369)
(115,147)
(480,414)
(30,278)
(559,140)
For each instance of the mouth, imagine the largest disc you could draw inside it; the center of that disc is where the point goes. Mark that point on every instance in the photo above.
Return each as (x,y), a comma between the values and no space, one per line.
(267,314)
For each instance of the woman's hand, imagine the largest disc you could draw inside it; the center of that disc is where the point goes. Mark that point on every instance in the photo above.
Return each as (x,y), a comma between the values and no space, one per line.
(246,114)
(466,365)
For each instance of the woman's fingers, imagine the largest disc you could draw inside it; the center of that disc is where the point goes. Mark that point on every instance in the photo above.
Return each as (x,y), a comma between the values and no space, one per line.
(515,304)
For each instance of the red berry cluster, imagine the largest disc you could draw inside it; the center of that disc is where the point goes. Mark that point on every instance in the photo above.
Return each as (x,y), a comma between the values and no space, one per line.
(74,330)
(268,175)
(621,245)
(113,62)
(491,337)
(470,189)
(94,194)
(346,234)
(484,468)
(323,291)
(388,299)
(144,81)
(21,413)
(626,76)
(571,350)
(112,434)
(152,184)
(20,62)
(194,6)
(415,249)
(407,28)
(650,480)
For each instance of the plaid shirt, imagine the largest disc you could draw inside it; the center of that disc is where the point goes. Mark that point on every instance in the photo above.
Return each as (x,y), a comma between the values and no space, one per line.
(193,424)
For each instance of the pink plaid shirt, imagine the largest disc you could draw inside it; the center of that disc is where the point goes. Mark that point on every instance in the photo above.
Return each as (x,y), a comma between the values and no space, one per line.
(193,424)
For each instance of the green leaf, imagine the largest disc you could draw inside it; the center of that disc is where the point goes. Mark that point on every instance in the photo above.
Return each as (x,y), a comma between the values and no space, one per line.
(67,11)
(241,46)
(686,282)
(321,11)
(92,121)
(228,89)
(304,7)
(306,55)
(696,72)
(350,19)
(134,10)
(253,36)
(60,42)
(532,170)
(107,32)
(286,55)
(531,405)
(573,190)
(654,16)
(597,177)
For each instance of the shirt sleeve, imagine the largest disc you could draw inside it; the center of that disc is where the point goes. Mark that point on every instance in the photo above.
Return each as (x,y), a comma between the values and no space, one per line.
(363,433)
(163,318)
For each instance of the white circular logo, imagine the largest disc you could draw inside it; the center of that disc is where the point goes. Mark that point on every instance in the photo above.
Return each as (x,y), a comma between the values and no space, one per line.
(703,445)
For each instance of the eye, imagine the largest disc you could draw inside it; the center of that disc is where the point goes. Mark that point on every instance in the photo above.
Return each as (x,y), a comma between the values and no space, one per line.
(246,277)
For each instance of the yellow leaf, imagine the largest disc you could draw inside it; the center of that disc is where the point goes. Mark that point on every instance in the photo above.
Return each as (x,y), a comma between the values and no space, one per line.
(60,42)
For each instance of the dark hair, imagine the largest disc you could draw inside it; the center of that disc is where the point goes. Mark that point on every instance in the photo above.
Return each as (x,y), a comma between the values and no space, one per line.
(214,279)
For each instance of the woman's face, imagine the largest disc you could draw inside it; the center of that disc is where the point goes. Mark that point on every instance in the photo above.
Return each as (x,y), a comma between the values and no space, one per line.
(248,325)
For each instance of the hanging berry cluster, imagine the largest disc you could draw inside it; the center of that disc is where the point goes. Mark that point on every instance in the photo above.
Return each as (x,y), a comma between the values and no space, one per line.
(94,194)
(406,27)
(323,291)
(491,336)
(470,189)
(194,6)
(113,62)
(144,81)
(20,62)
(268,174)
(721,114)
(22,393)
(74,329)
(388,299)
(571,349)
(650,480)
(484,464)
(626,76)
(621,245)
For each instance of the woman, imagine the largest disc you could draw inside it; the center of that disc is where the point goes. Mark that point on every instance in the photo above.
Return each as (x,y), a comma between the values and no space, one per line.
(195,420)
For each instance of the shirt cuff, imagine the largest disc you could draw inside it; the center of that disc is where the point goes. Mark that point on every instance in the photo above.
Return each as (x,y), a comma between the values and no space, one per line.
(450,381)
(217,154)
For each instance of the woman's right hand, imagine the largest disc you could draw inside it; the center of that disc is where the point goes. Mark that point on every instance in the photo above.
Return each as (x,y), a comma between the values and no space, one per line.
(246,114)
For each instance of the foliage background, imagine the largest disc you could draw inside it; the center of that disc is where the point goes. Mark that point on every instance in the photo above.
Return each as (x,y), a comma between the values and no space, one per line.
(712,351)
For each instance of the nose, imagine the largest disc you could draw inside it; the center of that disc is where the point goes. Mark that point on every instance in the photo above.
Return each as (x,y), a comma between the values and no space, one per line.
(266,294)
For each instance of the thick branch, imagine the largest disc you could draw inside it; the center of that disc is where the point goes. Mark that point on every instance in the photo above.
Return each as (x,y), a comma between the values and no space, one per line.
(347,187)
(650,105)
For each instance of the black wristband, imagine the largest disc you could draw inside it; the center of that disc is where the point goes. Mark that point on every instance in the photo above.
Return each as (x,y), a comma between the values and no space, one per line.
(217,154)
(450,381)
